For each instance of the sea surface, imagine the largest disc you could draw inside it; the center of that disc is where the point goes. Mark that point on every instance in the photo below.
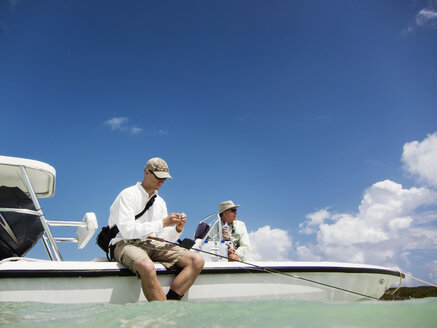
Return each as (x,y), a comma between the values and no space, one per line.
(278,313)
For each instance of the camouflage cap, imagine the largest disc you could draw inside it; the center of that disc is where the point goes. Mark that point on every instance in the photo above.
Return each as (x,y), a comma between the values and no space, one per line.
(226,206)
(159,167)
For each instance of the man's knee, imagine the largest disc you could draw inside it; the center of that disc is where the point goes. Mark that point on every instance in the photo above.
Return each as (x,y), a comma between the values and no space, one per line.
(199,262)
(146,268)
(194,260)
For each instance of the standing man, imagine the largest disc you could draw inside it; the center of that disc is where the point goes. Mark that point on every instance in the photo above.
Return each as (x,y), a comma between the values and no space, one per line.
(137,246)
(240,244)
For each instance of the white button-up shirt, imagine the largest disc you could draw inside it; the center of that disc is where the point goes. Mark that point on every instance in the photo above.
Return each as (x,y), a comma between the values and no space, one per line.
(132,201)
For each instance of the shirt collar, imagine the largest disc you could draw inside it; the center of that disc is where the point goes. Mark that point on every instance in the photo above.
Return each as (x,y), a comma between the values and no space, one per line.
(144,192)
(230,224)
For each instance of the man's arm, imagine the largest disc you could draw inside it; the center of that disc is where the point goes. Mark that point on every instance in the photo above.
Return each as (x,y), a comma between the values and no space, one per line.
(123,213)
(244,241)
(173,225)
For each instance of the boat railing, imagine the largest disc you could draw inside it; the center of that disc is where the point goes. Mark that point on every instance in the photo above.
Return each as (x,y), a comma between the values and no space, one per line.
(21,211)
(85,229)
(214,232)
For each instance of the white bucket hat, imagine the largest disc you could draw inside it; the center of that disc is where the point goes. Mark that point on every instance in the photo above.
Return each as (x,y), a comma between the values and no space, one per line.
(226,206)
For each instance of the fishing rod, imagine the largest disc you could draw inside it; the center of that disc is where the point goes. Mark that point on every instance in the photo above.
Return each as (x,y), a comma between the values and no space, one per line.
(189,243)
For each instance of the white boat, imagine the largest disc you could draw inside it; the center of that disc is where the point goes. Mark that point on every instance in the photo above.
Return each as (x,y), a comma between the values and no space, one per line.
(22,279)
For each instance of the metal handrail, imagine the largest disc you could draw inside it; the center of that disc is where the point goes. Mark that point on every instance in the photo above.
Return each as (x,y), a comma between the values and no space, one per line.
(51,223)
(206,218)
(22,211)
(66,239)
(66,224)
(48,233)
(216,221)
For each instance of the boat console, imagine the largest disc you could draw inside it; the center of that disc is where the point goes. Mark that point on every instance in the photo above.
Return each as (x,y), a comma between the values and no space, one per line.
(209,239)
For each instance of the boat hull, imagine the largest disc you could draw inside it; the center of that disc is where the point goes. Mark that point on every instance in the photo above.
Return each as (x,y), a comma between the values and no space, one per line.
(110,282)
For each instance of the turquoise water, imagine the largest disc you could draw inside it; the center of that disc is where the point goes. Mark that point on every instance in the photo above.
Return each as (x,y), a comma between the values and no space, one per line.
(416,313)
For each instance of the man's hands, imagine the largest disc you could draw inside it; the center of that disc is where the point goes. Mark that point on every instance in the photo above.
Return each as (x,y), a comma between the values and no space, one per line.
(183,219)
(175,219)
(226,234)
(232,256)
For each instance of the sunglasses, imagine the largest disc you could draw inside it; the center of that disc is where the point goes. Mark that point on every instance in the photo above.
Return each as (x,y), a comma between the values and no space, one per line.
(160,179)
(233,210)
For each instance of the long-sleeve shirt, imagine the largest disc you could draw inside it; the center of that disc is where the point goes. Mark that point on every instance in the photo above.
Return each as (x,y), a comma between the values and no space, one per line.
(130,202)
(240,237)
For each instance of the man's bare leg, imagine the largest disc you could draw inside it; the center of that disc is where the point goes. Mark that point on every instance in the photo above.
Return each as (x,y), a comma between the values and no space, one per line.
(152,289)
(192,265)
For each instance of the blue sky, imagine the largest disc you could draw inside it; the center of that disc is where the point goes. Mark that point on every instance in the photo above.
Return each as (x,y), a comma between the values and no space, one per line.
(318,117)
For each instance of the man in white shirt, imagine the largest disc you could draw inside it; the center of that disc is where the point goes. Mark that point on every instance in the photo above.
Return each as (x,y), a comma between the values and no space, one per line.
(137,243)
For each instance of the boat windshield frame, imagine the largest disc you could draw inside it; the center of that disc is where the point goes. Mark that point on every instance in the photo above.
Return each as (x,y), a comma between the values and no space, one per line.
(215,228)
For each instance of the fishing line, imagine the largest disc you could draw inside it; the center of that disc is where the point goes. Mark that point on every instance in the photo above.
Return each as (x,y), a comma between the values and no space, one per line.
(268,270)
(425,282)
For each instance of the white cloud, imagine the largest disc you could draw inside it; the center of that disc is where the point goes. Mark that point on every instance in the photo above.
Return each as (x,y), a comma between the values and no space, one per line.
(420,159)
(135,130)
(383,231)
(387,200)
(306,253)
(121,123)
(390,224)
(425,16)
(162,132)
(117,123)
(269,245)
(314,220)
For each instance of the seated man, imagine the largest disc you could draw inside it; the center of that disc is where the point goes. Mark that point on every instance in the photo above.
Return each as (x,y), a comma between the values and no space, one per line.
(141,217)
(240,244)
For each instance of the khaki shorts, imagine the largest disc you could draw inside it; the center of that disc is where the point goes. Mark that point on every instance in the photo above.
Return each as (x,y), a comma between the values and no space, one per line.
(130,252)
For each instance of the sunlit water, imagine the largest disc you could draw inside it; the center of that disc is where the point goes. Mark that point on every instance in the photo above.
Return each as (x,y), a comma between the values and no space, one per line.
(414,313)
